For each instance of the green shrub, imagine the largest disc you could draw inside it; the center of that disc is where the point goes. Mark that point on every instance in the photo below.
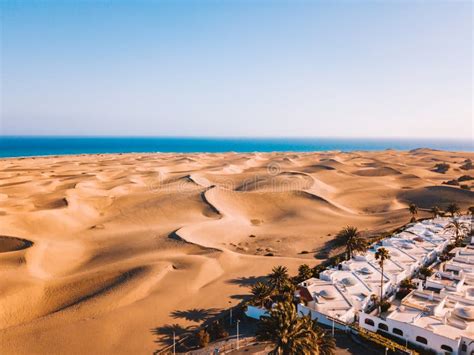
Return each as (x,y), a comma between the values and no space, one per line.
(426,272)
(441,168)
(317,270)
(467,165)
(202,338)
(385,306)
(451,182)
(217,331)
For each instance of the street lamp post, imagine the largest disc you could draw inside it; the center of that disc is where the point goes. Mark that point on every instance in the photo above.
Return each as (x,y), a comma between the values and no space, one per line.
(238,321)
(174,343)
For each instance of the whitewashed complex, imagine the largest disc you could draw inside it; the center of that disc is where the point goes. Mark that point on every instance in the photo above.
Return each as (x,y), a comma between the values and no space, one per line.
(438,315)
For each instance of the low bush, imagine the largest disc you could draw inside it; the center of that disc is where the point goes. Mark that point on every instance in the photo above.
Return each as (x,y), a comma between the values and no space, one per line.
(426,272)
(441,168)
(217,331)
(467,165)
(385,306)
(317,270)
(451,182)
(202,338)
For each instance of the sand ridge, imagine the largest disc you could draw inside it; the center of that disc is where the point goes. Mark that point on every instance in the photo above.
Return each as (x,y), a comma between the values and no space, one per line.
(101,253)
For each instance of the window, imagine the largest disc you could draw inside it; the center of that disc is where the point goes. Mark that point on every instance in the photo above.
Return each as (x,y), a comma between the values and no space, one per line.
(464,347)
(369,322)
(397,331)
(447,348)
(383,326)
(421,340)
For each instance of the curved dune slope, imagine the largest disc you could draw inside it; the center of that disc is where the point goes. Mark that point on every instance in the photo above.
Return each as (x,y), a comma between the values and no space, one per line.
(440,196)
(285,181)
(377,171)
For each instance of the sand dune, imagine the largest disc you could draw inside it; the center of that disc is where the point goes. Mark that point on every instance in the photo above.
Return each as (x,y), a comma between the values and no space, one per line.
(377,171)
(285,181)
(101,253)
(441,196)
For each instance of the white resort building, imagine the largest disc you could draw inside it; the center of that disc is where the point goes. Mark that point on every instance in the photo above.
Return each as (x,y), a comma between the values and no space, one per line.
(358,279)
(437,316)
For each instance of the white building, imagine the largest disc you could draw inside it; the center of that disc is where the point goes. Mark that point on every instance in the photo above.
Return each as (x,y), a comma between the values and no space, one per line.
(439,317)
(429,320)
(325,301)
(367,269)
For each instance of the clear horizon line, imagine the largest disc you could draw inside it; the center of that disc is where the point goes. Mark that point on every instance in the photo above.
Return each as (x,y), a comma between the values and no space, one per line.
(236,137)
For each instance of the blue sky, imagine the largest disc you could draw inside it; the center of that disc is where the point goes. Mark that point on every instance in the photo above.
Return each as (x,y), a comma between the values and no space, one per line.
(348,68)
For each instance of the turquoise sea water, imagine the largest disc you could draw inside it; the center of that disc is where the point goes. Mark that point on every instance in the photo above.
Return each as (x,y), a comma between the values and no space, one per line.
(34,146)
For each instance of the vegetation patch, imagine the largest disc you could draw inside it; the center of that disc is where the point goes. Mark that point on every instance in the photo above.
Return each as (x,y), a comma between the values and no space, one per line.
(441,168)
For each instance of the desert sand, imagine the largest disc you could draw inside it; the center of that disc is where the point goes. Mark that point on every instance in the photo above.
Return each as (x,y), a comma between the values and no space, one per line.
(102,254)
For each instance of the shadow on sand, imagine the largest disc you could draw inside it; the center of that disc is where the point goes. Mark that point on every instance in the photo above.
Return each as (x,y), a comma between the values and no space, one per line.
(325,252)
(196,314)
(247,281)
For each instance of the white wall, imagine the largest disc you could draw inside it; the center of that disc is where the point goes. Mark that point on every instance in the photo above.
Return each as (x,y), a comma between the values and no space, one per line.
(322,318)
(410,332)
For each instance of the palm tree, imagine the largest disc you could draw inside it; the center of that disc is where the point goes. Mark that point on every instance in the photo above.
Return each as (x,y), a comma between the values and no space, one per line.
(304,273)
(351,238)
(291,334)
(260,294)
(460,229)
(453,209)
(435,211)
(278,278)
(287,293)
(326,342)
(414,211)
(381,255)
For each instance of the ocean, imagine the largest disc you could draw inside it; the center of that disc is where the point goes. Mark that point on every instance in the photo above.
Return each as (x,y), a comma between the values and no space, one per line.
(11,146)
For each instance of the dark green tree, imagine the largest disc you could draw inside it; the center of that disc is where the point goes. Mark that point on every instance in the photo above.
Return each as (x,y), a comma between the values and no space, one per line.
(414,211)
(278,278)
(351,238)
(453,209)
(291,334)
(382,255)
